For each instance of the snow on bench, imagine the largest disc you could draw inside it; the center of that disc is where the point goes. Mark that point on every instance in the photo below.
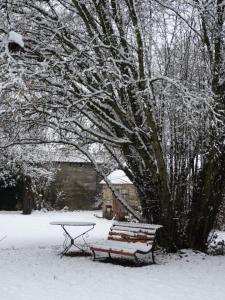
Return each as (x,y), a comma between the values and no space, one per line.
(128,239)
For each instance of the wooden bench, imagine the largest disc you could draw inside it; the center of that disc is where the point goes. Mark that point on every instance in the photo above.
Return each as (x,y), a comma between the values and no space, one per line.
(127,239)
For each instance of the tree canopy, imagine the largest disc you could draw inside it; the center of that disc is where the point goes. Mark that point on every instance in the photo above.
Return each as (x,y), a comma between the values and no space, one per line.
(143,80)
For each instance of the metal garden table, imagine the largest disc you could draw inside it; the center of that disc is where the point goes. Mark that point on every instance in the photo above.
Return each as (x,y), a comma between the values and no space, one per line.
(86,226)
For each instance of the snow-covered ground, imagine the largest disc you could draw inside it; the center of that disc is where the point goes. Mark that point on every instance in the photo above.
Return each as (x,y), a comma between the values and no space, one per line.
(31,269)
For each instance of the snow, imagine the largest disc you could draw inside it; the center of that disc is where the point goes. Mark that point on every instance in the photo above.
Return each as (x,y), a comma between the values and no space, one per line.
(73,223)
(121,247)
(31,269)
(117,177)
(220,235)
(16,38)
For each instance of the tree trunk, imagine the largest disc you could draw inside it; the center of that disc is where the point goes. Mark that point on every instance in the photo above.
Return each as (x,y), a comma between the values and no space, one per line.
(27,197)
(208,197)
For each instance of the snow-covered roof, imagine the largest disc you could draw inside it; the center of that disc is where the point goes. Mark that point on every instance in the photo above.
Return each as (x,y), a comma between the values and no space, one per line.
(117,177)
(16,38)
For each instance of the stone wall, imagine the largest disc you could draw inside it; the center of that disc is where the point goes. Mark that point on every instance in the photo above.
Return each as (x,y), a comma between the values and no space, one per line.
(75,186)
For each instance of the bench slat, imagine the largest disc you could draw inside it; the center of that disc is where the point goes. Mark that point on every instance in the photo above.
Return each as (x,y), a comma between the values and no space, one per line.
(121,239)
(131,234)
(137,225)
(134,230)
(120,247)
(130,238)
(113,251)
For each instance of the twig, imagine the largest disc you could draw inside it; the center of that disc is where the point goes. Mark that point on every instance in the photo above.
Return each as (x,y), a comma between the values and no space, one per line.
(2,238)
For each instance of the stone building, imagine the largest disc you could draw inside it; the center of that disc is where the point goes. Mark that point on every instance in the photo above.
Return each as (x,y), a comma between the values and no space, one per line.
(76,185)
(111,206)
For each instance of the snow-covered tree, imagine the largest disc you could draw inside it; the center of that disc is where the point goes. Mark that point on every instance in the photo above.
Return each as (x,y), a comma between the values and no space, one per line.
(141,79)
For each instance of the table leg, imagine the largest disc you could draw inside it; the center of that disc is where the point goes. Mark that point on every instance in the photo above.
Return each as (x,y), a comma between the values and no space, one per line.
(72,243)
(66,250)
(82,235)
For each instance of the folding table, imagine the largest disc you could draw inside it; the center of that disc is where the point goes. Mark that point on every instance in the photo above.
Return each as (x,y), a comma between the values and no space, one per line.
(86,226)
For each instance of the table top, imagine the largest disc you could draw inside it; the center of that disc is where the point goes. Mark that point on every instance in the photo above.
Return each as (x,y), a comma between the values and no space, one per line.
(64,223)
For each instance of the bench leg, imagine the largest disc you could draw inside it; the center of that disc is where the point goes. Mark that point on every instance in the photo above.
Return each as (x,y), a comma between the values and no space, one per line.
(94,256)
(136,259)
(153,257)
